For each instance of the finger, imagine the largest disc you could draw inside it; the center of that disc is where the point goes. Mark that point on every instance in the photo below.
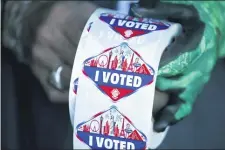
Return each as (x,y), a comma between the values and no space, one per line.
(69,31)
(166,116)
(160,100)
(51,37)
(178,82)
(165,84)
(47,59)
(163,10)
(50,34)
(74,24)
(53,94)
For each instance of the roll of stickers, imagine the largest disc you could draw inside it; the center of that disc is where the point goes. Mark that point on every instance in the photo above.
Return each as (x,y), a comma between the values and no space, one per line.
(113,81)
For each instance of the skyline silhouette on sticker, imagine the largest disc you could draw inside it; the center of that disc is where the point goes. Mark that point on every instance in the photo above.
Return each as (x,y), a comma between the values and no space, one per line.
(110,129)
(129,26)
(118,71)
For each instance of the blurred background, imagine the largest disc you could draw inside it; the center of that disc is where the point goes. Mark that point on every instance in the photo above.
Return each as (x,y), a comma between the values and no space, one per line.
(30,120)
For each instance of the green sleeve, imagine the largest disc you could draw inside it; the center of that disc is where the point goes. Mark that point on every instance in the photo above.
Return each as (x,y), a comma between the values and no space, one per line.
(196,65)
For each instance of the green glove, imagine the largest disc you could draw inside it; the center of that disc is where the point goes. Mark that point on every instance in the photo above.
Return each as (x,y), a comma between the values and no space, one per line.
(186,67)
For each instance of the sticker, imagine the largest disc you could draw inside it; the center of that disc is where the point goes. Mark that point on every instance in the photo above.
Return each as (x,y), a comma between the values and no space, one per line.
(110,129)
(118,72)
(129,26)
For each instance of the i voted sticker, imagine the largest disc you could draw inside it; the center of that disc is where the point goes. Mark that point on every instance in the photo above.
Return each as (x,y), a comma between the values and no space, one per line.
(129,26)
(110,129)
(118,72)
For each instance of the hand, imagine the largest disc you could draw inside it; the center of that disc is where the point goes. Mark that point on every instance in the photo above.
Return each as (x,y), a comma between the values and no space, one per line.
(178,75)
(55,46)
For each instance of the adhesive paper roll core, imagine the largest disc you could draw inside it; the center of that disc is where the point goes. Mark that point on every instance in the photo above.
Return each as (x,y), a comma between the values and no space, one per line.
(113,81)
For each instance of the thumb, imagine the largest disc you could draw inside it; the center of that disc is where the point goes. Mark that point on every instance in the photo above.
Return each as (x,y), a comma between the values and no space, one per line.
(166,116)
